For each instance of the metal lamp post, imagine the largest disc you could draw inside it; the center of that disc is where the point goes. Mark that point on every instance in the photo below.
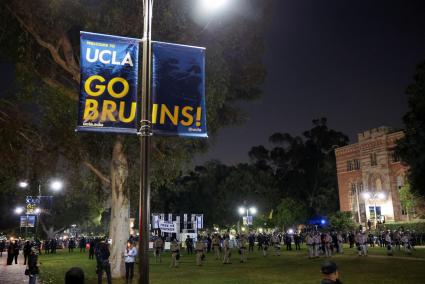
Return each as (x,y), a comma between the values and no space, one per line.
(55,185)
(243,211)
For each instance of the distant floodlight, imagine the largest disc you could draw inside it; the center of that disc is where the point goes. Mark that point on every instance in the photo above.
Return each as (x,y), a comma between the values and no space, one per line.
(253,210)
(56,185)
(366,195)
(19,210)
(381,195)
(213,5)
(290,231)
(37,211)
(323,221)
(23,184)
(242,210)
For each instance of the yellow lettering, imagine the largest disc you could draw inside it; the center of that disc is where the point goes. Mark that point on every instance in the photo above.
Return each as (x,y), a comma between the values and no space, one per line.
(132,112)
(173,117)
(154,113)
(111,87)
(100,88)
(187,115)
(107,111)
(90,110)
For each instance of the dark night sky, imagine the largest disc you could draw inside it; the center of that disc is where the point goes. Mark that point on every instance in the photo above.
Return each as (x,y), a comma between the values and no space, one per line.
(350,61)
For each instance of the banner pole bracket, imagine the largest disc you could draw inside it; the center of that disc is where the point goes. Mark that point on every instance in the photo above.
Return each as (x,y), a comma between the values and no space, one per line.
(145,128)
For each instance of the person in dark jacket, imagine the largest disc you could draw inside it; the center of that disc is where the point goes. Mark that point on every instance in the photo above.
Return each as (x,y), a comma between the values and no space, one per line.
(102,258)
(2,247)
(10,254)
(33,265)
(16,251)
(91,249)
(27,251)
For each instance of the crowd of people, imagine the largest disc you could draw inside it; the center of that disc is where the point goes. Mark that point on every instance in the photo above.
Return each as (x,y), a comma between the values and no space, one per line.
(318,243)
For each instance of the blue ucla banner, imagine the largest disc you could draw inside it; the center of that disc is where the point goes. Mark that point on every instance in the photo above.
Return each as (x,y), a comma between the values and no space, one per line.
(178,90)
(108,88)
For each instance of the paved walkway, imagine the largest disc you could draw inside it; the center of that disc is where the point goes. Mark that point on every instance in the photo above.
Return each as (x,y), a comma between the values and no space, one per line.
(12,274)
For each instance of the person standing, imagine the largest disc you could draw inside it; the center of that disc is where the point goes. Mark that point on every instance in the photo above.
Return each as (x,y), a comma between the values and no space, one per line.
(102,258)
(82,244)
(242,248)
(2,247)
(33,269)
(265,244)
(189,245)
(46,247)
(91,249)
(226,247)
(288,241)
(297,241)
(317,242)
(389,244)
(158,244)
(16,251)
(361,239)
(327,244)
(26,251)
(276,244)
(130,254)
(340,241)
(71,245)
(251,242)
(209,243)
(175,253)
(369,224)
(216,246)
(10,254)
(199,249)
(310,245)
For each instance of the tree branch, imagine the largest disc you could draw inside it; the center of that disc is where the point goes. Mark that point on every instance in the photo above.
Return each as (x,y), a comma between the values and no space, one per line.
(97,172)
(68,65)
(55,84)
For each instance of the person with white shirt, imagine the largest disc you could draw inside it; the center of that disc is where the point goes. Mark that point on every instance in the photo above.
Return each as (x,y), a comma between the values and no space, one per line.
(130,254)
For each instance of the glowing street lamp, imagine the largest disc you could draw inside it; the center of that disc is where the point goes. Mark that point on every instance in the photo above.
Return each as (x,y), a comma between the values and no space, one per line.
(19,210)
(56,185)
(212,6)
(23,184)
(242,211)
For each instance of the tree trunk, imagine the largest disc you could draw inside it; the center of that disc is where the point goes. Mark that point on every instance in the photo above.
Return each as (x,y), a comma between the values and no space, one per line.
(120,208)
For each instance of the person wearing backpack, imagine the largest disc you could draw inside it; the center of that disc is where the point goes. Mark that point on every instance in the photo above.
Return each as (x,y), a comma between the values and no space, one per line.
(102,258)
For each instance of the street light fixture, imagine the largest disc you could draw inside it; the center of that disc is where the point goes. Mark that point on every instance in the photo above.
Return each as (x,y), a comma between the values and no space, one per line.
(253,210)
(213,5)
(56,185)
(242,211)
(19,210)
(23,184)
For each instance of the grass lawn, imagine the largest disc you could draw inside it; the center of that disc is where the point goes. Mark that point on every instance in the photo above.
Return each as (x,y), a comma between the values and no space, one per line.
(290,267)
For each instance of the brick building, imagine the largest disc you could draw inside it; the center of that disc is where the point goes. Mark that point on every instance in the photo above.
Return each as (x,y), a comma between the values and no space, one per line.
(370,175)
